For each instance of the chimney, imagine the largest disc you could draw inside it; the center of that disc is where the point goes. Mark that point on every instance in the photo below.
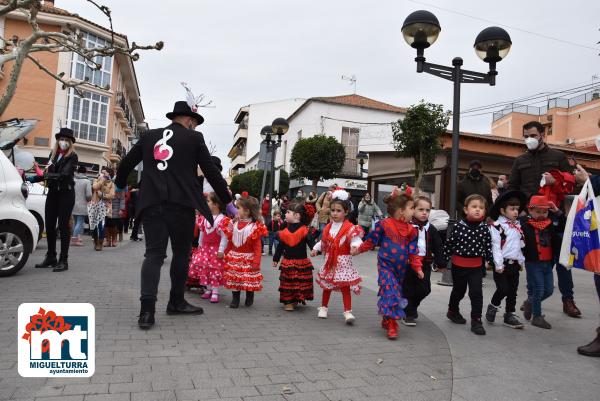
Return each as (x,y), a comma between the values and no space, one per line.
(49,3)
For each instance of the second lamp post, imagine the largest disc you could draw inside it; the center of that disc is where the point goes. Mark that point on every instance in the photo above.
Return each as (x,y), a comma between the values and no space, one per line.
(420,30)
(278,128)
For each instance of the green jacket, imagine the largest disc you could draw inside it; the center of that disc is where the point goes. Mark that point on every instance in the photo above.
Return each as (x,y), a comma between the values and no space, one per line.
(366,212)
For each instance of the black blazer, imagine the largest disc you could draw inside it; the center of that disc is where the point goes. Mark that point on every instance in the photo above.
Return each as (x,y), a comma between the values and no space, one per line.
(174,179)
(60,174)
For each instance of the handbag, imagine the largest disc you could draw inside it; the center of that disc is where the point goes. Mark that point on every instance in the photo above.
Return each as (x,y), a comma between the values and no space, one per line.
(581,241)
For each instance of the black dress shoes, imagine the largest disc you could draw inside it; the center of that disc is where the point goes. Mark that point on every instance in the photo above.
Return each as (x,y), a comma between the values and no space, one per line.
(61,266)
(184,308)
(146,320)
(49,261)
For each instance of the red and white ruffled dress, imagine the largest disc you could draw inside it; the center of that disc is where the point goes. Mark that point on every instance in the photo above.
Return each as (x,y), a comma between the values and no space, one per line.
(243,254)
(205,267)
(338,270)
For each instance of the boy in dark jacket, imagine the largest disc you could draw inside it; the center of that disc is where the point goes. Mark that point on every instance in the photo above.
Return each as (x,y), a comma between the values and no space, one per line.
(274,225)
(430,248)
(542,246)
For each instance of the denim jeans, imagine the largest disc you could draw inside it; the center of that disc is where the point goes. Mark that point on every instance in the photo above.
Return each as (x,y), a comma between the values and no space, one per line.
(78,225)
(272,241)
(98,232)
(321,227)
(540,280)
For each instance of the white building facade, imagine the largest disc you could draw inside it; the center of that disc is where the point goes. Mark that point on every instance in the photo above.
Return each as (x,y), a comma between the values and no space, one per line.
(359,123)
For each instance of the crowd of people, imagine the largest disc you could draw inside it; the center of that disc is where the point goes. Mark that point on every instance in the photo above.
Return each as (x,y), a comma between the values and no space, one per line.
(518,227)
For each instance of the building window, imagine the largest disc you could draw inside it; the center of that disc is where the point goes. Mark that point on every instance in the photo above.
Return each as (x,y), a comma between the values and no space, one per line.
(350,142)
(88,116)
(39,141)
(83,70)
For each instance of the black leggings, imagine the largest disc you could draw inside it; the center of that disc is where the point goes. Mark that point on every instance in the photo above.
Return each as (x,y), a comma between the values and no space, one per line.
(507,284)
(59,205)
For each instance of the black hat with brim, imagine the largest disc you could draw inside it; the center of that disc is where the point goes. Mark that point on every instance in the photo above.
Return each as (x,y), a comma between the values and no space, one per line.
(181,108)
(65,133)
(501,200)
(217,162)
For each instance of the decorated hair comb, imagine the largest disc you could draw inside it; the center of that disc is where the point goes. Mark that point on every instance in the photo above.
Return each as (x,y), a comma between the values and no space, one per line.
(340,193)
(403,189)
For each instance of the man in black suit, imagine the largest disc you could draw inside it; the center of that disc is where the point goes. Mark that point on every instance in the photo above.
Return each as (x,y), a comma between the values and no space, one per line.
(168,197)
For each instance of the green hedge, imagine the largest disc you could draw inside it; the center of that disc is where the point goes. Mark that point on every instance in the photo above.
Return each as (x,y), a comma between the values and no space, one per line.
(251,181)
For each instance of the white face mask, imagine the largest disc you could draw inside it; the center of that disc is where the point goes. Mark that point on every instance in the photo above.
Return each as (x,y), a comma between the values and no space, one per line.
(532,143)
(64,145)
(500,184)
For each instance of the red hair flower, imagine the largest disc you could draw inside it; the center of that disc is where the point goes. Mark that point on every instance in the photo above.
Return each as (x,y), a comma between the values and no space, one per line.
(245,194)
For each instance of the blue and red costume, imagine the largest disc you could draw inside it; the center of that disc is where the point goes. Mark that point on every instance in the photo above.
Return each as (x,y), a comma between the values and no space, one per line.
(397,253)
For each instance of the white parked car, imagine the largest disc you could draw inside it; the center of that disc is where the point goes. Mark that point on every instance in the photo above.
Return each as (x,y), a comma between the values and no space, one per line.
(36,203)
(19,229)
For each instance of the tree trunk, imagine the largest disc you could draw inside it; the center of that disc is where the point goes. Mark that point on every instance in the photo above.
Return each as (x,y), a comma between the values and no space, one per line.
(314,185)
(418,175)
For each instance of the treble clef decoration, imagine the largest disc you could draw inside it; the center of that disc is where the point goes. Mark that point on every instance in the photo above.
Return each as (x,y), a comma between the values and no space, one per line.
(162,151)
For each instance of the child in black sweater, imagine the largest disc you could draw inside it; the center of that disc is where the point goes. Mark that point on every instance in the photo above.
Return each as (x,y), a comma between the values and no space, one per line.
(468,248)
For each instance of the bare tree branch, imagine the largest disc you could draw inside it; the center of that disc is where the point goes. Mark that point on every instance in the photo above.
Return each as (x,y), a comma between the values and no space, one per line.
(17,50)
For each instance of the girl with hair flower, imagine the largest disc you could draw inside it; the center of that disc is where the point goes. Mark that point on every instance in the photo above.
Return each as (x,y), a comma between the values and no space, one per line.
(338,273)
(296,278)
(398,252)
(243,253)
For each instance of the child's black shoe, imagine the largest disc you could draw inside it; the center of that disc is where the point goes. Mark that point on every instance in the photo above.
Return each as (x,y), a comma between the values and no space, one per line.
(456,317)
(490,315)
(477,327)
(511,320)
(235,300)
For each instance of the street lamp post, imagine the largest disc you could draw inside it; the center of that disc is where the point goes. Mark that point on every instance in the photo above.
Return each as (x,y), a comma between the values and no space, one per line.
(278,128)
(420,30)
(362,158)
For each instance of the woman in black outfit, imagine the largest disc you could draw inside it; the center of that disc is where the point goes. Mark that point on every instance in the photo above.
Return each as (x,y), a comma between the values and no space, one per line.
(60,199)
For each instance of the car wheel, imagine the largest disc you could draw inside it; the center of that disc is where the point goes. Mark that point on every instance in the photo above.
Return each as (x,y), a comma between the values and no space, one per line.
(14,249)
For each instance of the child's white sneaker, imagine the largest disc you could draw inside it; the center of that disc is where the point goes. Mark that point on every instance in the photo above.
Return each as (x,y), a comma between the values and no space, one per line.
(322,312)
(349,317)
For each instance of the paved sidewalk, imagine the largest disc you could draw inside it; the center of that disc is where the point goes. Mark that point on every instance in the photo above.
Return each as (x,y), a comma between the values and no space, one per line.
(258,353)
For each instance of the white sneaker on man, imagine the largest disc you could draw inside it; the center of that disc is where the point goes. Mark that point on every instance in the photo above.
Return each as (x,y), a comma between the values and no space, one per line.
(322,312)
(349,317)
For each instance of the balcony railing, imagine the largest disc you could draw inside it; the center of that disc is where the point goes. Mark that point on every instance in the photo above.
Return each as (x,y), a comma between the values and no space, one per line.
(558,102)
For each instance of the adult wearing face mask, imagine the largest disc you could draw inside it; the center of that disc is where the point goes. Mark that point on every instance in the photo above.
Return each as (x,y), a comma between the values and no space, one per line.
(170,193)
(60,199)
(527,172)
(474,182)
(502,184)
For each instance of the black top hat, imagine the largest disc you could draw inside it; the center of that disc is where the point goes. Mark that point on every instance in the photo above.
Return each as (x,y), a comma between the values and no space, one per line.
(181,108)
(501,200)
(217,162)
(65,133)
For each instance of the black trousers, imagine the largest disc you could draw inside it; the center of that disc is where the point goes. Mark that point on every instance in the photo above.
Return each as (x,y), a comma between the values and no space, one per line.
(136,226)
(461,278)
(162,223)
(416,289)
(507,284)
(59,205)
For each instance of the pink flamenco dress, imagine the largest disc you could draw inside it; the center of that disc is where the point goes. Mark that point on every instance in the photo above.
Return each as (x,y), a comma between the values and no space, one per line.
(205,267)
